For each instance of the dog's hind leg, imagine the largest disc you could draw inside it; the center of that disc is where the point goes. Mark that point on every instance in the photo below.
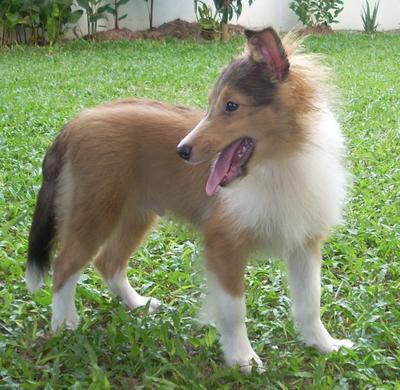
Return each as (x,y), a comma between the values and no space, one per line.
(86,218)
(304,269)
(112,261)
(67,267)
(226,259)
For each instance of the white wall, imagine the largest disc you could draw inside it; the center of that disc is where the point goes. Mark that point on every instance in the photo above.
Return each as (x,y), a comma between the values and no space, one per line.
(164,11)
(278,14)
(388,15)
(262,13)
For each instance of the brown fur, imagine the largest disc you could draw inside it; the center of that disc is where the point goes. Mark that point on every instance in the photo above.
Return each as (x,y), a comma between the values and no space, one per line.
(226,253)
(275,123)
(112,185)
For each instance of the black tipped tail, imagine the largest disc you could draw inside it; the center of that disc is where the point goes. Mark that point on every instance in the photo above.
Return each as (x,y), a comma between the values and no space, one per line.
(40,237)
(42,231)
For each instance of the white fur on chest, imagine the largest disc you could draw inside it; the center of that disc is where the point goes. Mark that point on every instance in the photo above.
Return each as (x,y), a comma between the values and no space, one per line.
(286,202)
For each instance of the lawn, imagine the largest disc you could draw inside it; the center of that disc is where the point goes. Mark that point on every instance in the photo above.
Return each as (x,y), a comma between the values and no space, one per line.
(42,88)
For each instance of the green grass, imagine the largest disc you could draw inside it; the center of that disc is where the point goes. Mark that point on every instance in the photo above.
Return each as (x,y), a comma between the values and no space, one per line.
(42,88)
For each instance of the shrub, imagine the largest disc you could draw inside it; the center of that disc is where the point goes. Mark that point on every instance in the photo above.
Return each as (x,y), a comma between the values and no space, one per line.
(207,20)
(94,13)
(369,18)
(226,10)
(114,9)
(35,21)
(317,13)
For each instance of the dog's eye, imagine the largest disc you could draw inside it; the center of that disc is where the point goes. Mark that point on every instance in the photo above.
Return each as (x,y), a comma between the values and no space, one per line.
(231,106)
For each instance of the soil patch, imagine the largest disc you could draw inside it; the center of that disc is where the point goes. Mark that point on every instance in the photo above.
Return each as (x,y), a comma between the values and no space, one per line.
(316,30)
(179,29)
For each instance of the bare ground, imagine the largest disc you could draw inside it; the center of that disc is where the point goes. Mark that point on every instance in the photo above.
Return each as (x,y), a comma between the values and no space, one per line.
(179,29)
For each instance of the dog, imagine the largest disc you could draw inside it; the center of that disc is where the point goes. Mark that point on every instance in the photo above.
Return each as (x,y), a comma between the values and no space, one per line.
(265,171)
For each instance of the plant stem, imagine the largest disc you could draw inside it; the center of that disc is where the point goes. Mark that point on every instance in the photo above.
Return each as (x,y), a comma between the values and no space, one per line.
(25,37)
(150,12)
(225,32)
(116,15)
(3,33)
(59,28)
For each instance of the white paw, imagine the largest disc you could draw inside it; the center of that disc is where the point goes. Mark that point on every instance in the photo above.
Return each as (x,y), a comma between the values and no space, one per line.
(119,284)
(246,360)
(335,344)
(330,345)
(319,338)
(315,335)
(138,301)
(154,304)
(71,321)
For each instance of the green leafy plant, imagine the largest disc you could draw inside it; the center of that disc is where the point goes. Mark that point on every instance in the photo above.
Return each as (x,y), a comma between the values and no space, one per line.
(207,21)
(314,13)
(10,18)
(94,12)
(369,17)
(55,15)
(35,21)
(31,10)
(227,9)
(113,9)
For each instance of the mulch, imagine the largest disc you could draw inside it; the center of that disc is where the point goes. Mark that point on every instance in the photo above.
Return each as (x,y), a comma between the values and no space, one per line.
(322,30)
(179,29)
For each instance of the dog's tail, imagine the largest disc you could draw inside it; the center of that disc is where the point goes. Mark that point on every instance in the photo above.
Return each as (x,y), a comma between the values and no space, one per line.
(42,233)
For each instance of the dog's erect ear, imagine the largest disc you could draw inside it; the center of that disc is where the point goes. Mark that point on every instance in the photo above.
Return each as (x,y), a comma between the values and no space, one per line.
(266,46)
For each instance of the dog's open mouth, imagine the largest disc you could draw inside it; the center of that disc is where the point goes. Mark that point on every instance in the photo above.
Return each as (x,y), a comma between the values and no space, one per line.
(230,164)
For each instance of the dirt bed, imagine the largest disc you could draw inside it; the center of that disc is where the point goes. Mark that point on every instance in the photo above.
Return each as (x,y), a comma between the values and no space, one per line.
(179,29)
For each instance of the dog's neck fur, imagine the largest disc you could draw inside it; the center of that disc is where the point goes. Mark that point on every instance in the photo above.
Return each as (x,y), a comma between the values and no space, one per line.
(286,202)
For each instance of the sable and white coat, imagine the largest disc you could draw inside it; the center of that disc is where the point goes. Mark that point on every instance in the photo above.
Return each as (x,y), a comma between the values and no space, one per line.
(265,172)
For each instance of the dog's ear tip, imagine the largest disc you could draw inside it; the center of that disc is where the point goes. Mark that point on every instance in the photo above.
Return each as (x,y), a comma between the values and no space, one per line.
(250,33)
(260,32)
(266,46)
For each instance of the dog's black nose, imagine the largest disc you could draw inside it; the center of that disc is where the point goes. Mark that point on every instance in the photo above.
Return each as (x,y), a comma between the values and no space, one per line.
(184,151)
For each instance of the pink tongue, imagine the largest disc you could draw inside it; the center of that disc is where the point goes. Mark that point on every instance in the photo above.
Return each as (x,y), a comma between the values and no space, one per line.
(221,167)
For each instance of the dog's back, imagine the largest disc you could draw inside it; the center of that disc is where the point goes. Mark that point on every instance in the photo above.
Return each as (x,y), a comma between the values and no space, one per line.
(107,159)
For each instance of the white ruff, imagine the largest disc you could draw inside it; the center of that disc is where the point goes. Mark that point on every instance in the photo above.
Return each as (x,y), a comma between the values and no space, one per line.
(285,202)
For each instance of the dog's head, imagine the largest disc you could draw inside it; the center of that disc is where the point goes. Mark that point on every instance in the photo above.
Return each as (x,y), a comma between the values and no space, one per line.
(249,117)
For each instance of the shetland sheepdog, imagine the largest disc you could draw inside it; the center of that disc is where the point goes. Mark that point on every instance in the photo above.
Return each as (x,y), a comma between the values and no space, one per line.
(264,171)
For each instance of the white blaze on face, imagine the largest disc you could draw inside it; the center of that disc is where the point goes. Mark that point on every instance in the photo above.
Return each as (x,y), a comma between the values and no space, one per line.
(188,140)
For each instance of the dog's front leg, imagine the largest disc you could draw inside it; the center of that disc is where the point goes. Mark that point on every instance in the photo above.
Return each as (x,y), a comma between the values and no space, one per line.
(304,272)
(226,262)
